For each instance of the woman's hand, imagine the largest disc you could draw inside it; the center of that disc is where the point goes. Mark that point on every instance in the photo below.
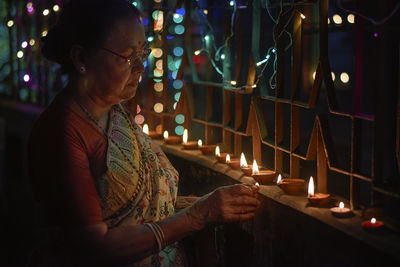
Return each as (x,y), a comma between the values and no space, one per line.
(225,204)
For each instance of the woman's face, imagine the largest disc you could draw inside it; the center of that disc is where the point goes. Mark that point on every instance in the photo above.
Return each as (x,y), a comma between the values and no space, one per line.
(110,76)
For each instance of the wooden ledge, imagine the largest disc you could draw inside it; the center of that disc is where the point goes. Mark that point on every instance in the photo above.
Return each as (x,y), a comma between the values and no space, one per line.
(387,240)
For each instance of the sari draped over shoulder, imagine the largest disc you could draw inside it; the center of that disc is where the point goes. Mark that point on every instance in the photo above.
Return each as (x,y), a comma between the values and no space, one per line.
(140,184)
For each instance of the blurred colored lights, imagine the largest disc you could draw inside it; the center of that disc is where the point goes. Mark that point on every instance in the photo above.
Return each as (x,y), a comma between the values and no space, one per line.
(179,29)
(350,18)
(158,107)
(32,42)
(180,118)
(179,130)
(206,37)
(344,77)
(10,23)
(181,11)
(178,51)
(337,19)
(177,84)
(139,119)
(44,33)
(27,78)
(158,87)
(177,19)
(223,56)
(333,76)
(20,54)
(177,96)
(232,3)
(157,52)
(150,39)
(24,44)
(56,8)
(46,12)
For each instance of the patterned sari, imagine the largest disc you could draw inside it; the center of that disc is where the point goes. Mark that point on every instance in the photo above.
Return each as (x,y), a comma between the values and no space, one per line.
(140,184)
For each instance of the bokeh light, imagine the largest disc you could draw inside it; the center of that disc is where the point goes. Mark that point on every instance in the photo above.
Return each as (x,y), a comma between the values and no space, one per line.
(344,77)
(178,51)
(179,130)
(350,18)
(180,118)
(179,29)
(158,107)
(139,119)
(337,19)
(158,87)
(157,52)
(177,84)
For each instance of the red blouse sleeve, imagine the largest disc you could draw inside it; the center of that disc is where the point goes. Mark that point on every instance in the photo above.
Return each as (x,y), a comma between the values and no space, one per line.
(61,173)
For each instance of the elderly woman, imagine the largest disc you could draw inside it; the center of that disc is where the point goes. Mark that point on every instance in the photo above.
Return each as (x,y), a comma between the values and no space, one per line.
(107,190)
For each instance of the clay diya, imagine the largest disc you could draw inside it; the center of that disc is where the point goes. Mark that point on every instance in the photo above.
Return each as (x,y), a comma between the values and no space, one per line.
(372,225)
(171,140)
(188,144)
(263,177)
(317,199)
(234,163)
(341,211)
(152,134)
(207,149)
(291,186)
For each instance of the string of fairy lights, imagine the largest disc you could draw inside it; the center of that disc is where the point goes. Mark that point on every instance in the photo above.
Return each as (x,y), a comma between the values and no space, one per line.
(171,20)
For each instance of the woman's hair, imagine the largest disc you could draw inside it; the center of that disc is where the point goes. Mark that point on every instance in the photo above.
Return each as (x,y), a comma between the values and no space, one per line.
(86,23)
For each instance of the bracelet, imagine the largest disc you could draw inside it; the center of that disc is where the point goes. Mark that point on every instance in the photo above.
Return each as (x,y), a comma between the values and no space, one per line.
(161,234)
(156,234)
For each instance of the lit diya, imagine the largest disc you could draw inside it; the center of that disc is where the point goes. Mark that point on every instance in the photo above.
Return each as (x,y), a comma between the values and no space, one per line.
(373,224)
(234,163)
(152,134)
(188,144)
(171,140)
(291,186)
(317,199)
(341,211)
(221,157)
(263,177)
(206,149)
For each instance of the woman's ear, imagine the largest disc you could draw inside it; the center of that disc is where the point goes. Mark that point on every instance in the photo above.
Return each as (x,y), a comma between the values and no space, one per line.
(77,54)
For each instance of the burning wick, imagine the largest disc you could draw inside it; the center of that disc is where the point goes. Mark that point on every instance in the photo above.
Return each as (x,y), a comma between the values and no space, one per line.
(217,151)
(146,129)
(185,136)
(255,168)
(341,205)
(243,162)
(373,220)
(165,134)
(279,179)
(257,184)
(199,143)
(311,187)
(228,158)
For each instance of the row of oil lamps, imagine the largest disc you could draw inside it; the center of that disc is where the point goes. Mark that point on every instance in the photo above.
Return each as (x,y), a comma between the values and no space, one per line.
(262,176)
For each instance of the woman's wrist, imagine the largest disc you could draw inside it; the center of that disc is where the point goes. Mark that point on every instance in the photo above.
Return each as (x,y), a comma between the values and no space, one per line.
(195,217)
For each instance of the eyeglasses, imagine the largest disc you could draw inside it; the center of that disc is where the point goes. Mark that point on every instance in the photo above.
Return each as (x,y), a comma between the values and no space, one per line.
(133,59)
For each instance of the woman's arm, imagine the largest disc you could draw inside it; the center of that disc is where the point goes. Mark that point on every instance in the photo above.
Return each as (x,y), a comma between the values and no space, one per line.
(127,244)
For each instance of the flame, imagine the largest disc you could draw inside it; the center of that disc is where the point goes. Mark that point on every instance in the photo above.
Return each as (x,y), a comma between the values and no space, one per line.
(217,151)
(228,158)
(165,134)
(199,143)
(255,167)
(146,129)
(341,205)
(257,184)
(185,136)
(373,220)
(243,162)
(311,187)
(279,179)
